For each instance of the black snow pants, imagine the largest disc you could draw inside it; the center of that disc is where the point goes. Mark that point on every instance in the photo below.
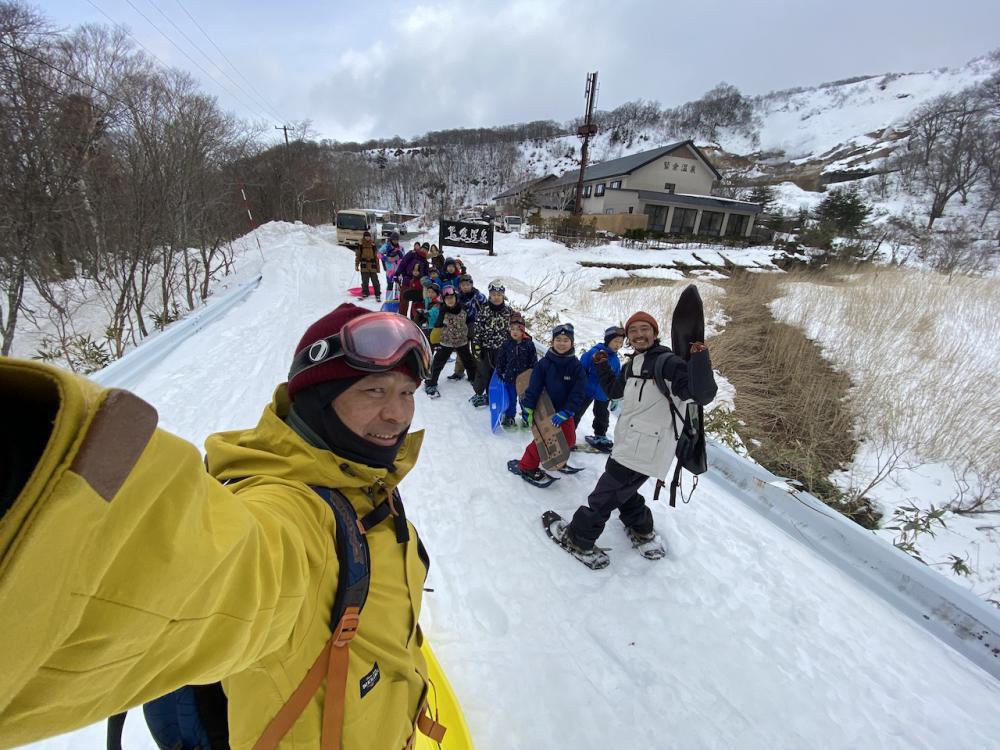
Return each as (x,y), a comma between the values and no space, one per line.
(365,278)
(617,489)
(484,370)
(601,416)
(441,358)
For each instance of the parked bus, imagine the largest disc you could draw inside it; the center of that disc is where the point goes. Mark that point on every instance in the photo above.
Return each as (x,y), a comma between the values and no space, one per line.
(354,222)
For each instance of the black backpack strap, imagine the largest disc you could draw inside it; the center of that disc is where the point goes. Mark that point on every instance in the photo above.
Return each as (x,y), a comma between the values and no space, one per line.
(353,556)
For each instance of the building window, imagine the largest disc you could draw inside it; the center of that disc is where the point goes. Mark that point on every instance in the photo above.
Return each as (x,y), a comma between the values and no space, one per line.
(683,221)
(609,210)
(630,209)
(586,191)
(669,186)
(616,185)
(737,225)
(599,190)
(711,223)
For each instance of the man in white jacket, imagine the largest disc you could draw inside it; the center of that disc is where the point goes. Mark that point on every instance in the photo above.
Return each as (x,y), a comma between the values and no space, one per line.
(646,433)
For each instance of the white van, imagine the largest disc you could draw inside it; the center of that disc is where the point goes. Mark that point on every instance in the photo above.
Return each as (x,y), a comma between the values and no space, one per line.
(512,223)
(353,223)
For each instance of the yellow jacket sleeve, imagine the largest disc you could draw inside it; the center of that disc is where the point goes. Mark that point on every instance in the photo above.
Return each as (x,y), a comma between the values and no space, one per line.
(126,570)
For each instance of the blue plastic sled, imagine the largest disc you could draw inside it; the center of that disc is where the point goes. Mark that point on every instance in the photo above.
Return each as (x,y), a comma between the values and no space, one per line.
(498,401)
(390,306)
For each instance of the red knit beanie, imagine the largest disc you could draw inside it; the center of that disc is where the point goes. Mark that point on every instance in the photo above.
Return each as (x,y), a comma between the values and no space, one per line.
(337,368)
(642,317)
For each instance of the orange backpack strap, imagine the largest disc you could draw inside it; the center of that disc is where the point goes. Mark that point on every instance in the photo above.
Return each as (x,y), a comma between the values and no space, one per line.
(332,662)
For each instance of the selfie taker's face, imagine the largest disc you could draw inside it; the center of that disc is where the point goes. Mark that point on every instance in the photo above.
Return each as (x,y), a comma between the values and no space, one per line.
(379,407)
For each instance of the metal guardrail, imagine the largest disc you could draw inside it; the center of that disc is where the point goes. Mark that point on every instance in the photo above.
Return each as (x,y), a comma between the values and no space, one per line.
(955,616)
(125,372)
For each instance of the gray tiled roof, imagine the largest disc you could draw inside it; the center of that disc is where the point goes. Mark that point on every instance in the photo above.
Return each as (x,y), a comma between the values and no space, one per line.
(626,164)
(653,196)
(523,186)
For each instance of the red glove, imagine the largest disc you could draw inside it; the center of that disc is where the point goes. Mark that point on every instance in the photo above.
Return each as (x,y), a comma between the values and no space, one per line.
(600,358)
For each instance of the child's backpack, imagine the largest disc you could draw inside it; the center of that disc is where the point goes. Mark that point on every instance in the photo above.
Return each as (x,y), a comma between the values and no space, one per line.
(194,717)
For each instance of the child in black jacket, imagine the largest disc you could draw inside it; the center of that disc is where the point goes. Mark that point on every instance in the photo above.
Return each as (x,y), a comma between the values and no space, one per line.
(515,356)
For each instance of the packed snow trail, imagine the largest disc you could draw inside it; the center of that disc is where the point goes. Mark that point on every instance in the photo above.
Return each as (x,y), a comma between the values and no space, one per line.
(741,638)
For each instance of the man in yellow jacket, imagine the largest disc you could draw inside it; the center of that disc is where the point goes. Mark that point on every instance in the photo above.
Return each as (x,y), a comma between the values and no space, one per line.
(127,570)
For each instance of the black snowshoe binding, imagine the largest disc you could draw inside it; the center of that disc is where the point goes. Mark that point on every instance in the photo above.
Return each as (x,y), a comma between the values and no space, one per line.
(537,477)
(555,526)
(567,469)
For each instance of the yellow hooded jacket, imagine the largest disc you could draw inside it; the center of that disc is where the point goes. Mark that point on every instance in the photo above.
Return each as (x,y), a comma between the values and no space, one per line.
(127,571)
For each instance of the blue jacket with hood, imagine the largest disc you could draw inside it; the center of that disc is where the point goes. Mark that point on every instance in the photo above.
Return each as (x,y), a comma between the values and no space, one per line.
(594,390)
(562,376)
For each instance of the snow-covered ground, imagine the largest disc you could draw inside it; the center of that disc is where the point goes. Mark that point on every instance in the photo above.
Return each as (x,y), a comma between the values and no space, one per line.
(742,638)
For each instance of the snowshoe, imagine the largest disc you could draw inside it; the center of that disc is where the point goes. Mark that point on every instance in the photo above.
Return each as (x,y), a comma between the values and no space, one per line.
(567,469)
(537,477)
(555,526)
(602,443)
(524,422)
(480,399)
(648,545)
(432,391)
(508,422)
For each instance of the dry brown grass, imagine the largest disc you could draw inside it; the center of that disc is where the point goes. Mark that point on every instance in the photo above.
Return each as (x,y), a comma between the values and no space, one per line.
(923,352)
(796,420)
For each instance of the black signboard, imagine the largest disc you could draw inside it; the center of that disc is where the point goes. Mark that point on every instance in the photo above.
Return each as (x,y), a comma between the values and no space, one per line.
(466,234)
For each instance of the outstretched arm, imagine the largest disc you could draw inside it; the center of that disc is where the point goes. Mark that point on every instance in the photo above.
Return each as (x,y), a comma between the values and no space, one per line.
(129,570)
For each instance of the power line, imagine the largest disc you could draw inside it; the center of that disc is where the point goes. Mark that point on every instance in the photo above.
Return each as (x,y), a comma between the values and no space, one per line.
(224,57)
(194,62)
(190,41)
(52,66)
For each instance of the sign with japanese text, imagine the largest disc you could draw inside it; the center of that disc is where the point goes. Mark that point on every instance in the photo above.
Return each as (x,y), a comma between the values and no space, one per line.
(466,234)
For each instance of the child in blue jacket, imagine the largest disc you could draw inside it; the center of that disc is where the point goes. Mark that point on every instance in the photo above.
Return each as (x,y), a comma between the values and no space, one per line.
(614,337)
(515,355)
(560,374)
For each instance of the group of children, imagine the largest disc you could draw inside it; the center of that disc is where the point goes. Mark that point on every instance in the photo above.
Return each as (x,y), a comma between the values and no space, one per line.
(487,335)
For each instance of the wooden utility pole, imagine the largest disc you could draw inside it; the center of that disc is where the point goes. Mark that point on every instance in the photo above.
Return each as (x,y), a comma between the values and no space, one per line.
(586,132)
(286,129)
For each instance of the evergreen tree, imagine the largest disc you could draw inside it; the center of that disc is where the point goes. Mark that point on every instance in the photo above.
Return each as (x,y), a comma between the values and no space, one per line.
(843,210)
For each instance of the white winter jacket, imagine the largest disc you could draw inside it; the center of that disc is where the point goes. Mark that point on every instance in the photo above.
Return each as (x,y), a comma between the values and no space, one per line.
(645,435)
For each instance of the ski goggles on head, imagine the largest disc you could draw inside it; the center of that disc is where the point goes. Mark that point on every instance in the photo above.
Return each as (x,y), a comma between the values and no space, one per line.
(448,291)
(376,342)
(563,329)
(496,286)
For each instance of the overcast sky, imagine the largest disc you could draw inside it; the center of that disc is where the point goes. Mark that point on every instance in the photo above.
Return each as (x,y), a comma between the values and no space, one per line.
(373,68)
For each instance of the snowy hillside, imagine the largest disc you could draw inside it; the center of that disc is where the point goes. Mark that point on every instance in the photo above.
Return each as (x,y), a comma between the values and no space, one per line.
(853,120)
(742,638)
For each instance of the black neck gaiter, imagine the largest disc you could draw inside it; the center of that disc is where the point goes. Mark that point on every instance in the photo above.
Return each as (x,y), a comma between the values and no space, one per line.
(314,406)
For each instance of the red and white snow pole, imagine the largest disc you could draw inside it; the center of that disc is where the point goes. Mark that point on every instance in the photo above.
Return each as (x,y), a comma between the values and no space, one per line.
(253,224)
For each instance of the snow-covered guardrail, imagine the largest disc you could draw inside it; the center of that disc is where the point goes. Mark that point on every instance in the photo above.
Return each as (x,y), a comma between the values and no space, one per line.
(959,618)
(124,373)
